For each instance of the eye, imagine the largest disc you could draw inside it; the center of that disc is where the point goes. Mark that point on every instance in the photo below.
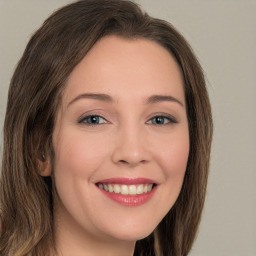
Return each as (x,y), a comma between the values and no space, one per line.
(92,120)
(162,120)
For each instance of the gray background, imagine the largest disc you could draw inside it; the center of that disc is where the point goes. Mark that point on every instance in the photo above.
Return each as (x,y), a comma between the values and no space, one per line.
(223,36)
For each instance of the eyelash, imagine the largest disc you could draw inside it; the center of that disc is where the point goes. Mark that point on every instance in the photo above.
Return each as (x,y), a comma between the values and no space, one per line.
(84,120)
(170,119)
(166,119)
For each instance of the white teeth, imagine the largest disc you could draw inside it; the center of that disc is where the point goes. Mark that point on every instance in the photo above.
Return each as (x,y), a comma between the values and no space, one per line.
(126,189)
(110,188)
(105,187)
(150,186)
(132,190)
(117,189)
(140,189)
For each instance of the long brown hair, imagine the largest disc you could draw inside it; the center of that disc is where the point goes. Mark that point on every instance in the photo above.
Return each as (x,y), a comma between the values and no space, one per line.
(34,95)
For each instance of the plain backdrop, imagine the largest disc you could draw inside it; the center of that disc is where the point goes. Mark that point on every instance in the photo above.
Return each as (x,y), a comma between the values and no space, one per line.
(223,36)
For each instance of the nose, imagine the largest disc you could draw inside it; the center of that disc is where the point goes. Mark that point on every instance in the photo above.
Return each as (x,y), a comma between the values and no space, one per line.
(130,148)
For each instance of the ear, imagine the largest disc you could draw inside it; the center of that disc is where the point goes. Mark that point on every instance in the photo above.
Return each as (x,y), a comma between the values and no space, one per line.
(44,168)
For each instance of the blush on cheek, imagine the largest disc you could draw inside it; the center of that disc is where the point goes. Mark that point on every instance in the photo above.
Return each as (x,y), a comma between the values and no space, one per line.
(75,161)
(174,159)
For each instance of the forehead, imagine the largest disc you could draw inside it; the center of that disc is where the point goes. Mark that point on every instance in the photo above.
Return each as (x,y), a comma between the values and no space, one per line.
(127,67)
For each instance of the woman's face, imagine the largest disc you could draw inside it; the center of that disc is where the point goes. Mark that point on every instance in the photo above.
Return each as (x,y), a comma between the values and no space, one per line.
(122,126)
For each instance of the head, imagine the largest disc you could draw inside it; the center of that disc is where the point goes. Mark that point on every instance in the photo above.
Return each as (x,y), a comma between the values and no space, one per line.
(37,92)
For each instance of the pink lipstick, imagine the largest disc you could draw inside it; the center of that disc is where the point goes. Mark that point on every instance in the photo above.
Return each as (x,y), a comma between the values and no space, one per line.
(128,191)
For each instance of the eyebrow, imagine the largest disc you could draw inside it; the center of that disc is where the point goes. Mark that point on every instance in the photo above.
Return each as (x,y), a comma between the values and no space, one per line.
(94,96)
(105,97)
(160,98)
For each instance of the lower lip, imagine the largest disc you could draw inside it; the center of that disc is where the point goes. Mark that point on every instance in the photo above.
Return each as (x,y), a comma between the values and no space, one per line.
(130,200)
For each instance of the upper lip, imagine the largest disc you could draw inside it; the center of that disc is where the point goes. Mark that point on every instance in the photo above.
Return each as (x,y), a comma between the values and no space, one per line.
(127,181)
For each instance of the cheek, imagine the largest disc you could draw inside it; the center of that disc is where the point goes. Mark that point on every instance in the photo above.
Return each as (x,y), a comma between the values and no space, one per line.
(77,159)
(173,154)
(172,158)
(78,155)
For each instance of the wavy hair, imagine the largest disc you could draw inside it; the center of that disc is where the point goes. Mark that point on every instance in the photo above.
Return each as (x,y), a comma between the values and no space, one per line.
(35,92)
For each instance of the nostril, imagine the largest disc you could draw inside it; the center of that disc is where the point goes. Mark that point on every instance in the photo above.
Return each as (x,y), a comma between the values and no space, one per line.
(132,162)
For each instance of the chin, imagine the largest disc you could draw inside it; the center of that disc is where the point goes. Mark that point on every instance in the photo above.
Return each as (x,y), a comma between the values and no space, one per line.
(130,231)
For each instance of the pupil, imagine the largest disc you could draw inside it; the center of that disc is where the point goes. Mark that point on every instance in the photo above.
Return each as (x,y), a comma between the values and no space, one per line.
(159,120)
(94,119)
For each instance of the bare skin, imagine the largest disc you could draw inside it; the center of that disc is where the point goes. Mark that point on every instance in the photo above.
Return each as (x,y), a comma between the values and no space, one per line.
(122,116)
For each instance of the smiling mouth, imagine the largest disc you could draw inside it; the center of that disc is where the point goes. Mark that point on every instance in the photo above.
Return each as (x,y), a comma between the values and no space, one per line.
(123,189)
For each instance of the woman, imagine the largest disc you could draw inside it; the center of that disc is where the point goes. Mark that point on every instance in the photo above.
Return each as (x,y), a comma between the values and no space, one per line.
(106,139)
